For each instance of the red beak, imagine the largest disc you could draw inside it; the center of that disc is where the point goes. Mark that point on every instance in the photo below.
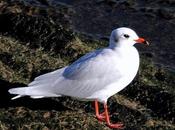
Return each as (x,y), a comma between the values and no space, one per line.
(142,40)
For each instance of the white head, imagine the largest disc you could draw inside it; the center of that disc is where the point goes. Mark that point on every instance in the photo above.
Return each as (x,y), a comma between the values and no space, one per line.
(124,37)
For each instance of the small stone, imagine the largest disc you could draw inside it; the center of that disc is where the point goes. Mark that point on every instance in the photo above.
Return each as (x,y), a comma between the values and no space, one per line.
(149,123)
(45,128)
(47,115)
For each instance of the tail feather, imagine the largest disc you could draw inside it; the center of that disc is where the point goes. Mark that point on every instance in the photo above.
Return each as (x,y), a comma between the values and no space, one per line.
(40,87)
(18,96)
(33,92)
(20,91)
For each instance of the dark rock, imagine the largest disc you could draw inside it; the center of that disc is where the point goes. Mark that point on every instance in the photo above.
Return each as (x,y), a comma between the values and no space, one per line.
(167,13)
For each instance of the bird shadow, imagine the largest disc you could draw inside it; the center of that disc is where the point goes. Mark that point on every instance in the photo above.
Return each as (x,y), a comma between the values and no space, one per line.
(37,104)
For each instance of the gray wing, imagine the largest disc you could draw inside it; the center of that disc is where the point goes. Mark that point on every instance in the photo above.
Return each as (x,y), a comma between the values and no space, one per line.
(89,74)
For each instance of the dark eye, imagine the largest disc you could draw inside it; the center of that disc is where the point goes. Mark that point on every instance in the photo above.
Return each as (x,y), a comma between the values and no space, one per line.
(126,35)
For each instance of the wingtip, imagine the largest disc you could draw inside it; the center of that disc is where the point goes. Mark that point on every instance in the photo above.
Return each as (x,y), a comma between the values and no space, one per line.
(12,91)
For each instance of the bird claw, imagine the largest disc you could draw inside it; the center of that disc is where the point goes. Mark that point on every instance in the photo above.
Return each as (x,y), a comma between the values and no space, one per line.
(116,126)
(101,117)
(104,116)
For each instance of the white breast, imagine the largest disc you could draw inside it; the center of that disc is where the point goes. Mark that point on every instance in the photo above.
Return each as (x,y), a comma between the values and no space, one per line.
(128,67)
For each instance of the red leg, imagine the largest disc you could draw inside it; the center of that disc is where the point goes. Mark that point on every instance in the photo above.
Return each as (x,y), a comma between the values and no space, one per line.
(100,117)
(109,124)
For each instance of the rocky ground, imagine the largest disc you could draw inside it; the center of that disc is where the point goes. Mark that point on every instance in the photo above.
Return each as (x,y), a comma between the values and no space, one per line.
(40,36)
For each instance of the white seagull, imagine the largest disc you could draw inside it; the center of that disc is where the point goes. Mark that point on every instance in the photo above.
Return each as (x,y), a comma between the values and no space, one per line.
(96,76)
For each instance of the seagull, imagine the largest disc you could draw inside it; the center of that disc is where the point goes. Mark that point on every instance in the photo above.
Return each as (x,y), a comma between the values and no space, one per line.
(95,76)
